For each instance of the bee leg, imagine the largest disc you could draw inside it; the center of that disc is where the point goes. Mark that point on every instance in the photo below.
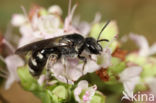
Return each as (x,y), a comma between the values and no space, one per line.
(64,62)
(92,58)
(52,59)
(65,67)
(84,59)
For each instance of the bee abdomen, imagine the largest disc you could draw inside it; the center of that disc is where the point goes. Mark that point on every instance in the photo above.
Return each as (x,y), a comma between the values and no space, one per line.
(37,62)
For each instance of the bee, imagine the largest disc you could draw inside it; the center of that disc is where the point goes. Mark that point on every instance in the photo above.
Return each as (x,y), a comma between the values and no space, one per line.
(71,45)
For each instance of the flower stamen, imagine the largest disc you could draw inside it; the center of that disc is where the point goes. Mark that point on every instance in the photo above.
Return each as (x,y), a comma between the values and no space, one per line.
(9,45)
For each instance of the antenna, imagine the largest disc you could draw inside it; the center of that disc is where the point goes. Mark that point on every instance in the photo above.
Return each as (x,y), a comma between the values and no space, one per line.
(103,29)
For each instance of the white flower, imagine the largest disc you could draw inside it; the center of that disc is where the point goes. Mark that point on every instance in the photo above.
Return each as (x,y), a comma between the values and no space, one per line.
(68,27)
(82,26)
(60,73)
(90,67)
(73,70)
(47,24)
(142,43)
(106,57)
(27,35)
(130,77)
(55,9)
(40,27)
(12,62)
(18,20)
(151,81)
(41,79)
(88,92)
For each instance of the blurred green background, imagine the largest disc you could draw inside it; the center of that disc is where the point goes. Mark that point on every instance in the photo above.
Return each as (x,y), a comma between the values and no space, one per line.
(138,16)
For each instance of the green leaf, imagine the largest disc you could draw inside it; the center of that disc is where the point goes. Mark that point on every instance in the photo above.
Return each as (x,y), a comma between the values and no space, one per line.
(114,98)
(27,81)
(30,84)
(98,98)
(60,92)
(117,65)
(147,63)
(44,96)
(109,33)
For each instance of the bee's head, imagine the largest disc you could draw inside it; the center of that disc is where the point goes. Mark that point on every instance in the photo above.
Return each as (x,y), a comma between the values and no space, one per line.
(93,46)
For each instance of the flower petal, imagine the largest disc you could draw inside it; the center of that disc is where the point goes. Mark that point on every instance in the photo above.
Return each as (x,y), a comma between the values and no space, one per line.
(87,94)
(41,79)
(74,74)
(83,84)
(83,27)
(152,84)
(91,67)
(129,86)
(55,9)
(48,24)
(142,43)
(130,72)
(152,49)
(68,28)
(106,57)
(130,77)
(12,62)
(18,20)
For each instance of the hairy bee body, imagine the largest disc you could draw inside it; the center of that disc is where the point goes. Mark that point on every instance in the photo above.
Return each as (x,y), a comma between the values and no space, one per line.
(67,46)
(37,62)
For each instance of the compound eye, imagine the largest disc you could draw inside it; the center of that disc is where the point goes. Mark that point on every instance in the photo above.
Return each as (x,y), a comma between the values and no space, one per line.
(99,47)
(87,45)
(93,49)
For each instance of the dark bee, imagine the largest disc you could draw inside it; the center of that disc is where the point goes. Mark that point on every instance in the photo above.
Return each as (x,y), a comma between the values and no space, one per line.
(60,47)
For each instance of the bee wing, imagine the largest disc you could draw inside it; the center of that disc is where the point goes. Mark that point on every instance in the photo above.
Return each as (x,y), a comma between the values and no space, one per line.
(47,43)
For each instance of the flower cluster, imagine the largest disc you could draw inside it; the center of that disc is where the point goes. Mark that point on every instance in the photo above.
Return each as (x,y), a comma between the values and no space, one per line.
(102,74)
(41,24)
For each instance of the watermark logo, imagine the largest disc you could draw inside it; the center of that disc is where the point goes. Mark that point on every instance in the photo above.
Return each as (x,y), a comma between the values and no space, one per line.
(140,97)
